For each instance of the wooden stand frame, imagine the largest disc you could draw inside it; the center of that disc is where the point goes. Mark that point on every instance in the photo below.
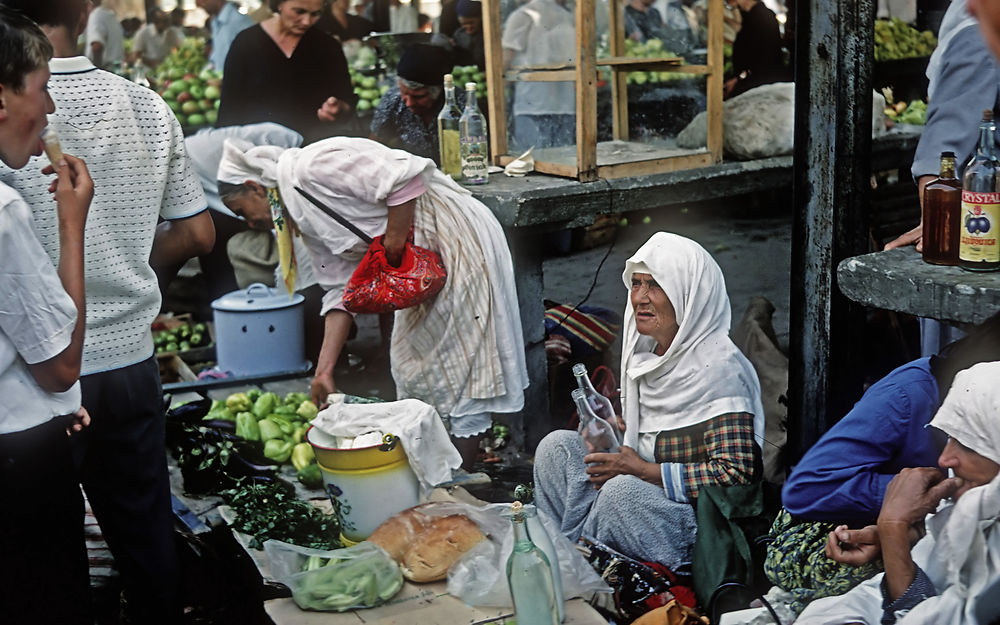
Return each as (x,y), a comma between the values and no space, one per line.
(592,160)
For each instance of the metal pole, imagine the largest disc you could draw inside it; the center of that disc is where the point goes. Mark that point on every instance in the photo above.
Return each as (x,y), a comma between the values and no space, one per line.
(831,188)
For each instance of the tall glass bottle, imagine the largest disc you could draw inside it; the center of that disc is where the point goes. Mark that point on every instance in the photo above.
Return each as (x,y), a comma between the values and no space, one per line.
(541,538)
(942,215)
(475,150)
(978,248)
(600,404)
(529,576)
(448,131)
(598,435)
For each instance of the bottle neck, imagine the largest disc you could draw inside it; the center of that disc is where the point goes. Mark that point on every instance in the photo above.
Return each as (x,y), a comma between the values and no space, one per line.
(583,410)
(520,531)
(947,167)
(470,100)
(449,96)
(986,138)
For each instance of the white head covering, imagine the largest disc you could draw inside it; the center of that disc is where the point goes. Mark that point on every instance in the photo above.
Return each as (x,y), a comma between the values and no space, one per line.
(205,151)
(702,374)
(242,161)
(956,19)
(970,412)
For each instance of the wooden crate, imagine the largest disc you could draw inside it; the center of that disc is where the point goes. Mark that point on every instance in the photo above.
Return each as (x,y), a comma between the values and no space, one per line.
(174,369)
(588,159)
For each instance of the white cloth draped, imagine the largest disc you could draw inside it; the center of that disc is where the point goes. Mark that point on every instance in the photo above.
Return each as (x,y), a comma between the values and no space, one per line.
(702,374)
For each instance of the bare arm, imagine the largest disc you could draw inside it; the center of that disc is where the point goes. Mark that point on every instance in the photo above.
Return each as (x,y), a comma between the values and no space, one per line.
(180,239)
(74,190)
(337,327)
(397,230)
(914,236)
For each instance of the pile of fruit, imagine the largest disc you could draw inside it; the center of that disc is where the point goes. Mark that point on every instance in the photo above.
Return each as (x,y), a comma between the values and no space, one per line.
(651,49)
(913,112)
(470,73)
(194,99)
(181,338)
(368,91)
(191,91)
(895,39)
(279,425)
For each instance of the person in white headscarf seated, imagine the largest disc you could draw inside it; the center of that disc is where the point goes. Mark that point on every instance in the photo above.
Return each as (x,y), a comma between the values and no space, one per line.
(462,351)
(944,577)
(691,409)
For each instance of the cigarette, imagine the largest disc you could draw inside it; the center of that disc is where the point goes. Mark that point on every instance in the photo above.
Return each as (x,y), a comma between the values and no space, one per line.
(52,148)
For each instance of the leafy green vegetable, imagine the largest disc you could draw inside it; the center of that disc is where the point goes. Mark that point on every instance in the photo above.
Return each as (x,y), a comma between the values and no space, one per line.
(269,510)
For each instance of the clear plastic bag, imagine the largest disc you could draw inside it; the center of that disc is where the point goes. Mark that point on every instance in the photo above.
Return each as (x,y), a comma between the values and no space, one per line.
(361,576)
(479,578)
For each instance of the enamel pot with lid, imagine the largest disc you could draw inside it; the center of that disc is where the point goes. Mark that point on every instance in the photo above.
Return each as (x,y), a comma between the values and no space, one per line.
(259,330)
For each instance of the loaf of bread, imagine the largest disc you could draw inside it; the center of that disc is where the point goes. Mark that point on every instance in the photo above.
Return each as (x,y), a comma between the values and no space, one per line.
(440,545)
(398,533)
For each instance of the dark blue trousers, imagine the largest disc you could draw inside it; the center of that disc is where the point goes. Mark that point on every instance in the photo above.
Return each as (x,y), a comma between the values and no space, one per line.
(123,468)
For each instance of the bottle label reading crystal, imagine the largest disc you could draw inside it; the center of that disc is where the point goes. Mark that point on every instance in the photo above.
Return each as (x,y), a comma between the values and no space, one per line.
(980,221)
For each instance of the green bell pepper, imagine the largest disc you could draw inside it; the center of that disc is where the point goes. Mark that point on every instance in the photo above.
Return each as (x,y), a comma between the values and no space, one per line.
(307,410)
(302,456)
(278,450)
(238,402)
(311,476)
(246,427)
(265,405)
(269,430)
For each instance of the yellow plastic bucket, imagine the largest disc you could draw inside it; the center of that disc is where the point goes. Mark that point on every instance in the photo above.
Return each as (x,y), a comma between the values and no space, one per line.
(366,485)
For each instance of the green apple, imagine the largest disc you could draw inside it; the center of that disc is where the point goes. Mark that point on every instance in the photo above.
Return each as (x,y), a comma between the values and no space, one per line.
(212,92)
(211,116)
(196,120)
(190,107)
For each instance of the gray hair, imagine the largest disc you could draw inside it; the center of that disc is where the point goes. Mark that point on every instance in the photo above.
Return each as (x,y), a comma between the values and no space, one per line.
(433,90)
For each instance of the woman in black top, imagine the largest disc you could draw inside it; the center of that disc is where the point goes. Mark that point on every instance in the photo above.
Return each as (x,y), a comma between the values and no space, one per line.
(337,22)
(286,71)
(757,58)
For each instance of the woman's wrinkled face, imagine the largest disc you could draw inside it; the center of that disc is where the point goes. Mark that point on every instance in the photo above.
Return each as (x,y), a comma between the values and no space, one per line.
(973,468)
(654,314)
(298,16)
(252,205)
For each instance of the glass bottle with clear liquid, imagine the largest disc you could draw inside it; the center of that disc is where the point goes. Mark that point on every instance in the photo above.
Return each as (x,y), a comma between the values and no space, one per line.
(600,404)
(598,435)
(542,540)
(529,576)
(472,133)
(449,143)
(978,248)
(942,215)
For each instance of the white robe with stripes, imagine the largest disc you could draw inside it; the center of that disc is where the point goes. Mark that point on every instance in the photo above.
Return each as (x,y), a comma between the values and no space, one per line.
(463,351)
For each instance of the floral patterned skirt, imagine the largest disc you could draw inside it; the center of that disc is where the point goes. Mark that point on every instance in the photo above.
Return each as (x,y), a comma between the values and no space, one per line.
(796,561)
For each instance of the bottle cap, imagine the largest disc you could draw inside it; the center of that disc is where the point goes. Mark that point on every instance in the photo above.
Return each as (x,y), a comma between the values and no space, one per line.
(470,86)
(448,79)
(947,155)
(987,115)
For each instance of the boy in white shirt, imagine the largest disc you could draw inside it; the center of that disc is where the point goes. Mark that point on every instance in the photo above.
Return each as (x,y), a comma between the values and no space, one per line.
(45,576)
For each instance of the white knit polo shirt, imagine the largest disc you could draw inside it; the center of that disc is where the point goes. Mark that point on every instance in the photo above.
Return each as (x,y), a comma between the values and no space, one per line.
(134,149)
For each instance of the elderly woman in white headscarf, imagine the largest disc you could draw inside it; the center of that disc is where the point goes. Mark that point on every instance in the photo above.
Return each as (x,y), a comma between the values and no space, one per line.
(462,351)
(943,578)
(692,410)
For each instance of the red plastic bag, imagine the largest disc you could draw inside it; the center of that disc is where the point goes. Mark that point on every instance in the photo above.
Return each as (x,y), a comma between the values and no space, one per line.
(378,287)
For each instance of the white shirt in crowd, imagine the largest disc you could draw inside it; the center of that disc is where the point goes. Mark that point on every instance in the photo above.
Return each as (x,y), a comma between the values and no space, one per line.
(133,144)
(225,26)
(154,46)
(37,318)
(542,33)
(103,27)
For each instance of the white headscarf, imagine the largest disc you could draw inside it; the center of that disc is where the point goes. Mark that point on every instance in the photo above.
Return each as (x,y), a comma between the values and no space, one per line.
(956,19)
(702,374)
(242,161)
(970,412)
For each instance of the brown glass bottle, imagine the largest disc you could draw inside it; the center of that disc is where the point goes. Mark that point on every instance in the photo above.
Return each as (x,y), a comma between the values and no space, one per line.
(942,215)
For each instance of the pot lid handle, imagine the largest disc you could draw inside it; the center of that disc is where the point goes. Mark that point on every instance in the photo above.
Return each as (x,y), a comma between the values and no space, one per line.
(257,286)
